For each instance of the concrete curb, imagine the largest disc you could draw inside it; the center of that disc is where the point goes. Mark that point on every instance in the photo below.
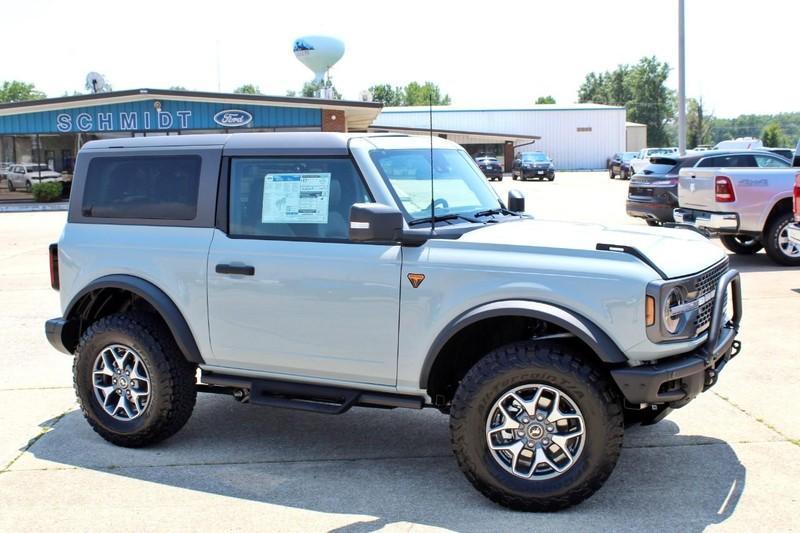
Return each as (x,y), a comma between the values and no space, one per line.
(28,208)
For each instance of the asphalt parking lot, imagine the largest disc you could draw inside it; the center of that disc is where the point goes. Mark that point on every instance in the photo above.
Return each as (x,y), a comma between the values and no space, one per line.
(730,460)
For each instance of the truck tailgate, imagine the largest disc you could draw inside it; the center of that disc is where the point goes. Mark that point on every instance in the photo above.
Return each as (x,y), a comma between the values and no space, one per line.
(696,188)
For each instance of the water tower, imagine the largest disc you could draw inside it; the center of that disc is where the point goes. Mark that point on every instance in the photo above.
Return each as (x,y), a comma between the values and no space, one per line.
(319,53)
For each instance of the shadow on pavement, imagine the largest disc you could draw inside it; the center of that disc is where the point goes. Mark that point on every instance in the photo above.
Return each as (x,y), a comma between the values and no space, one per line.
(396,466)
(759,262)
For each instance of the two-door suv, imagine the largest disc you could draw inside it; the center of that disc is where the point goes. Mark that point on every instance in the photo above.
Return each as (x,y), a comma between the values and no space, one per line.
(321,271)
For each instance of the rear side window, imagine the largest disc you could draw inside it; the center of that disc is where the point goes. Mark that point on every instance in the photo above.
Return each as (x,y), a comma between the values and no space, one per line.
(142,187)
(765,161)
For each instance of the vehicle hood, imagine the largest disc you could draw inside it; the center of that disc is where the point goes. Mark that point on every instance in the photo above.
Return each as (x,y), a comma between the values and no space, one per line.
(677,252)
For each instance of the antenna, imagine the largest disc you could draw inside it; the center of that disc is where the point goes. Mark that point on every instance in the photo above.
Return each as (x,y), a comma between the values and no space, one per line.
(95,82)
(430,123)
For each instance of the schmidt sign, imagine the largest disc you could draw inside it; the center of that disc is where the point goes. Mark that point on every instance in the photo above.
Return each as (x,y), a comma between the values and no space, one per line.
(132,120)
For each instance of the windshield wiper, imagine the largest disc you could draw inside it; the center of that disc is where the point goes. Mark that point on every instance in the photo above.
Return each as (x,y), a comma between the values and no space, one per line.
(497,211)
(441,218)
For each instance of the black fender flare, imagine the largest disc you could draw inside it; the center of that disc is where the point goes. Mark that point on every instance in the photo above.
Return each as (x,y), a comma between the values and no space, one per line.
(584,329)
(162,303)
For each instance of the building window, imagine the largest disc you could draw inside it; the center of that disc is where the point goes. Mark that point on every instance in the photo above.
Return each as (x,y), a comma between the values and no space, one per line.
(586,129)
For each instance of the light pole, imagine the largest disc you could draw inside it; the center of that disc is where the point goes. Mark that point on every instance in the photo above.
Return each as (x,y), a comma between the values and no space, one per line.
(681,80)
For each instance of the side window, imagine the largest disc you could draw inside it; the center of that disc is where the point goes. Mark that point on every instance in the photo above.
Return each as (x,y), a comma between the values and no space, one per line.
(765,161)
(729,161)
(303,198)
(142,187)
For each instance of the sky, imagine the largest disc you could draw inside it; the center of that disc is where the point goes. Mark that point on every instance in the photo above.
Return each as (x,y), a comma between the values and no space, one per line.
(739,54)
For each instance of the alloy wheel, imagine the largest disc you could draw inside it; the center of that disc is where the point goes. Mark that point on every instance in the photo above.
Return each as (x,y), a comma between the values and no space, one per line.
(535,432)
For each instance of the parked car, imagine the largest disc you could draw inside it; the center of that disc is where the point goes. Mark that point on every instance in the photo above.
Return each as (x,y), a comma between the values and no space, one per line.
(653,193)
(490,167)
(533,165)
(749,208)
(320,282)
(23,176)
(619,164)
(638,163)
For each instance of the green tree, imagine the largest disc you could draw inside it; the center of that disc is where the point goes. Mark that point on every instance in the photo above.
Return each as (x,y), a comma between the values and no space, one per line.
(698,124)
(773,135)
(387,95)
(19,91)
(427,93)
(247,88)
(546,100)
(177,88)
(642,89)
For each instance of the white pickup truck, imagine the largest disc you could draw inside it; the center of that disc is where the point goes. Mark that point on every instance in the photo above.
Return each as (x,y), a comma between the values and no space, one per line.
(749,208)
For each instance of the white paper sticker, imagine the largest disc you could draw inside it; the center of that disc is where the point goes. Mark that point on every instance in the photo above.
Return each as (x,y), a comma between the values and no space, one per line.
(296,198)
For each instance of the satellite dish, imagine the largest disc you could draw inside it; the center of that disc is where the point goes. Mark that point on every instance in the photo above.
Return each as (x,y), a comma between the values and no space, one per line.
(318,53)
(95,82)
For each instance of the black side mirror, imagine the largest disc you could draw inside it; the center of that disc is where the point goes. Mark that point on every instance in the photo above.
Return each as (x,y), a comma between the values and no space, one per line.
(516,201)
(370,222)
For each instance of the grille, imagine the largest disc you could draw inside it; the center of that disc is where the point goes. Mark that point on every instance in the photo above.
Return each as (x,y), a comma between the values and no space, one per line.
(704,284)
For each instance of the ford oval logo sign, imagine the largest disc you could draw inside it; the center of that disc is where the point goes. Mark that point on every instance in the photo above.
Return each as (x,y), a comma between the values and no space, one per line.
(233,118)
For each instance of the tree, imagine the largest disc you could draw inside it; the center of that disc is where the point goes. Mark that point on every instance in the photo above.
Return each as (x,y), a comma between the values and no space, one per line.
(773,135)
(427,93)
(698,124)
(19,91)
(177,88)
(546,100)
(387,95)
(247,88)
(642,89)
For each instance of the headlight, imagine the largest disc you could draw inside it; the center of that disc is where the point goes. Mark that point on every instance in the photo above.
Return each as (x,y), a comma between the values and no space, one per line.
(675,297)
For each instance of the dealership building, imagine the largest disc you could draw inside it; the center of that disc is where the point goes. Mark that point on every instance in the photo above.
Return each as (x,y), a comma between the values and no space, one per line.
(51,131)
(577,136)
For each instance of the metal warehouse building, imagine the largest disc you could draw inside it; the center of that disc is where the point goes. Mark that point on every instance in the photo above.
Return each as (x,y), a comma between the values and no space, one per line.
(51,131)
(579,136)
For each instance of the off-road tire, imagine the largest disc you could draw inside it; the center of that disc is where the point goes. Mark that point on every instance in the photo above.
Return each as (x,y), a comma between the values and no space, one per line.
(732,243)
(771,241)
(172,379)
(552,364)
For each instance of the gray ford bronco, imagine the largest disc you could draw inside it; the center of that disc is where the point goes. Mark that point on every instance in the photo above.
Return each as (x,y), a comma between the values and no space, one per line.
(321,271)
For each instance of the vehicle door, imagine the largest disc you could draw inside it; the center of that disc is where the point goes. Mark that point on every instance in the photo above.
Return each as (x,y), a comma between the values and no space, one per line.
(288,293)
(17,176)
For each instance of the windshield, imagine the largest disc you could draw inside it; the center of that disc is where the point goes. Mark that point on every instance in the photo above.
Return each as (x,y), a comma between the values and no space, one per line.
(458,186)
(487,160)
(534,156)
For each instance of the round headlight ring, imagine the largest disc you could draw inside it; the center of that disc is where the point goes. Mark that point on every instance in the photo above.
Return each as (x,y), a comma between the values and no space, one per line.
(672,323)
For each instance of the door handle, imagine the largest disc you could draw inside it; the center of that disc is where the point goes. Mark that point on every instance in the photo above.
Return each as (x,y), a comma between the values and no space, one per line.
(236,269)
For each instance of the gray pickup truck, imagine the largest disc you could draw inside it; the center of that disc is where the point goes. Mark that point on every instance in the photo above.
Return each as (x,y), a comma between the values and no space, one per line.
(749,208)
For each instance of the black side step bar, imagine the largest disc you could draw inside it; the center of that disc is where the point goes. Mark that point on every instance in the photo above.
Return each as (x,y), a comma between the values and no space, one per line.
(304,396)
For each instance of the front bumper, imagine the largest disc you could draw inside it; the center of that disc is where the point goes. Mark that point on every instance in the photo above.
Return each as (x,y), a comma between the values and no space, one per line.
(706,220)
(680,379)
(794,232)
(58,330)
(537,173)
